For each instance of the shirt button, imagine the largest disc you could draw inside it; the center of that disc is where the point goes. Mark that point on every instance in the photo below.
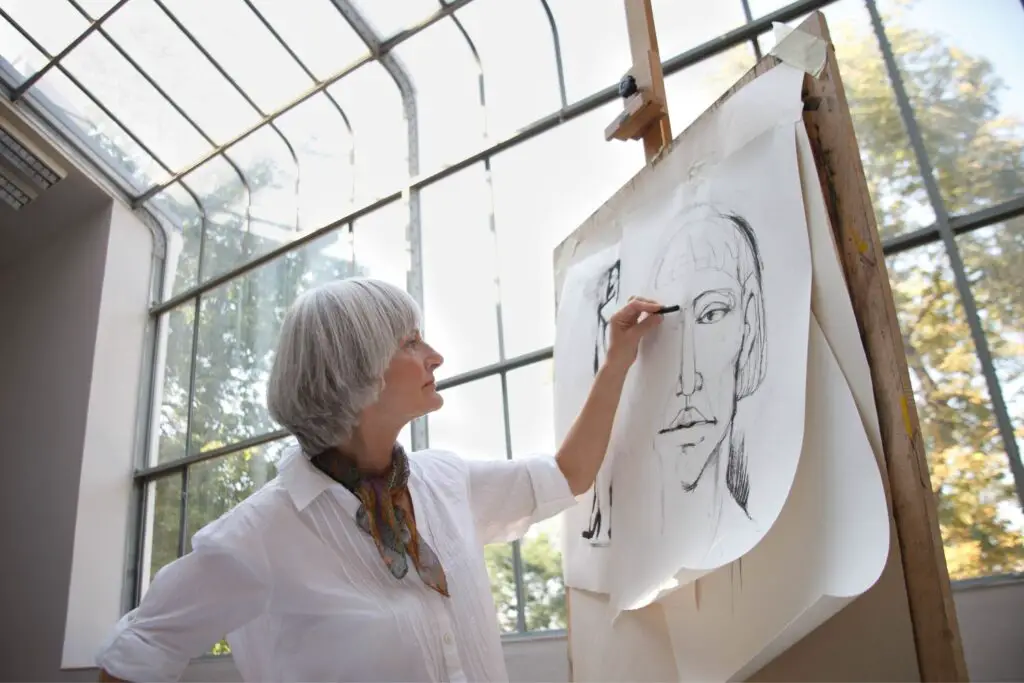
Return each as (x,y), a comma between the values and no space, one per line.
(448,639)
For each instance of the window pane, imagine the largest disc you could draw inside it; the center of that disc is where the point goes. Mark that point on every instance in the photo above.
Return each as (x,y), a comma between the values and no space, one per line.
(388,19)
(595,45)
(500,568)
(163,524)
(215,486)
(894,180)
(316,32)
(53,23)
(247,51)
(270,167)
(19,59)
(381,244)
(325,149)
(460,306)
(543,190)
(680,28)
(531,409)
(238,328)
(499,30)
(183,214)
(993,261)
(138,105)
(961,67)
(373,104)
(447,80)
(174,365)
(104,139)
(965,454)
(152,39)
(542,576)
(691,91)
(471,423)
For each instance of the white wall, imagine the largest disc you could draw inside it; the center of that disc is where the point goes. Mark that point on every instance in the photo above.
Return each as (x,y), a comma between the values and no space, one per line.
(49,308)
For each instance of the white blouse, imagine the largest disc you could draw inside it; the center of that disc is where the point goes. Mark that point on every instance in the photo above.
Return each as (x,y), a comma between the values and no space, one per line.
(303,595)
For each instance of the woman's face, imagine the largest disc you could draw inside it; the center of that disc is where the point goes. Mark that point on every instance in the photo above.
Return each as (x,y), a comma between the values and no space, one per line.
(409,388)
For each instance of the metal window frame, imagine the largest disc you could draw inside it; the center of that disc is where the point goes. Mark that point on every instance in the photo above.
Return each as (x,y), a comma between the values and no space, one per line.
(945,230)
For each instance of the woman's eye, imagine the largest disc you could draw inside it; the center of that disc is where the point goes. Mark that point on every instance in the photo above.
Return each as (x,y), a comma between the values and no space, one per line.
(713,315)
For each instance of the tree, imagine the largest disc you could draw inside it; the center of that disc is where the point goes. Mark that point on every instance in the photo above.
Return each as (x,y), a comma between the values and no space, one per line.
(544,591)
(978,157)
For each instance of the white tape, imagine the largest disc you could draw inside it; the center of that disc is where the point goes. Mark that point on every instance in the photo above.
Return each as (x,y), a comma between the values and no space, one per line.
(799,49)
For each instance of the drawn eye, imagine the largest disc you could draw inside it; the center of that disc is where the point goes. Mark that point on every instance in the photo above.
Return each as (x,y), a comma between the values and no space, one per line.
(713,314)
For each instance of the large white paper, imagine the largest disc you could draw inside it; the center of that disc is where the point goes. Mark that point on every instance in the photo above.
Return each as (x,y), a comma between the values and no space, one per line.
(713,411)
(590,294)
(828,546)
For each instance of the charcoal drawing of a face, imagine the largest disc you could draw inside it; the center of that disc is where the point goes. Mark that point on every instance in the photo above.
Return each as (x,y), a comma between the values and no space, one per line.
(711,269)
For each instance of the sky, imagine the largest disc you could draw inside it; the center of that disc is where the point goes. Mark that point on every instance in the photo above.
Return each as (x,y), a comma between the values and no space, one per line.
(540,190)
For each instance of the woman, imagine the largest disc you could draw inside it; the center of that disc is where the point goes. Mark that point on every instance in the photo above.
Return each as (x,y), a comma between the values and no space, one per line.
(358,563)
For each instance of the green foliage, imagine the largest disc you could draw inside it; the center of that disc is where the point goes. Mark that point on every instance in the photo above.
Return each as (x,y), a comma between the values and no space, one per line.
(544,591)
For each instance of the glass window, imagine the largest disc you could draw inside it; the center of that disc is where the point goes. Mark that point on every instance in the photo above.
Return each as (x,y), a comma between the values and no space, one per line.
(317,32)
(380,244)
(215,486)
(531,407)
(163,526)
(19,59)
(543,585)
(680,28)
(387,19)
(183,215)
(101,136)
(325,148)
(373,104)
(544,189)
(460,311)
(501,570)
(960,65)
(137,104)
(471,424)
(151,38)
(966,457)
(238,327)
(894,179)
(174,364)
(691,91)
(446,76)
(499,30)
(992,259)
(53,23)
(595,44)
(247,51)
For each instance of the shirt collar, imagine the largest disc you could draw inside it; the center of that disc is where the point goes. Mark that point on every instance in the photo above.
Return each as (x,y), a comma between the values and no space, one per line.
(304,483)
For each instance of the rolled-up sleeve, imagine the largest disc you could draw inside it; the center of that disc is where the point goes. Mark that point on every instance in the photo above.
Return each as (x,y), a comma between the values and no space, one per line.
(190,605)
(508,496)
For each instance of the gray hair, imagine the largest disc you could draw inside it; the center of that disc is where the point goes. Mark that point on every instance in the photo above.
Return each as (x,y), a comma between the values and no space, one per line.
(336,342)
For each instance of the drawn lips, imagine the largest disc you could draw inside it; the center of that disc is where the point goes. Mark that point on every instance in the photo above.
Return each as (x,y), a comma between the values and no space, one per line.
(688,418)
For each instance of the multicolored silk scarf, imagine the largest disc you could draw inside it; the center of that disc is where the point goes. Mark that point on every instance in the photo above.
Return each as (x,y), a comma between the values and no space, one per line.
(386,514)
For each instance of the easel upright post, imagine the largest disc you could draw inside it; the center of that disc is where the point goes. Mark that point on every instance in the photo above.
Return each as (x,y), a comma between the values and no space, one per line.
(645,112)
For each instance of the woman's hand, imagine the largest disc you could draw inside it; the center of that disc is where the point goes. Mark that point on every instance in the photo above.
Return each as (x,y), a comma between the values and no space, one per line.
(627,327)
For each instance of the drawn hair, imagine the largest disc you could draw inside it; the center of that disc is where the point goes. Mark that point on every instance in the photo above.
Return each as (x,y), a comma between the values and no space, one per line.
(722,248)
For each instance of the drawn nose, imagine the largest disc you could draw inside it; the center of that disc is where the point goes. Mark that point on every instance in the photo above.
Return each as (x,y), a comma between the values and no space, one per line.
(690,380)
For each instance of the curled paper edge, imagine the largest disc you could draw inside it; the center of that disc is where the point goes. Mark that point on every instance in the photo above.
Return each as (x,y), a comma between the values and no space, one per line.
(799,49)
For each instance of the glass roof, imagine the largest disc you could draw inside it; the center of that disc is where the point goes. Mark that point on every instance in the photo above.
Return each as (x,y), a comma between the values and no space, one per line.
(287,116)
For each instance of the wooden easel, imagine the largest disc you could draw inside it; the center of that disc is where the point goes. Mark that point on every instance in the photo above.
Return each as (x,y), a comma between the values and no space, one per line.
(911,608)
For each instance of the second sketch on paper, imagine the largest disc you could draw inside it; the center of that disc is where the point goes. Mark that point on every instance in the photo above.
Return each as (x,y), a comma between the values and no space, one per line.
(599,527)
(710,266)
